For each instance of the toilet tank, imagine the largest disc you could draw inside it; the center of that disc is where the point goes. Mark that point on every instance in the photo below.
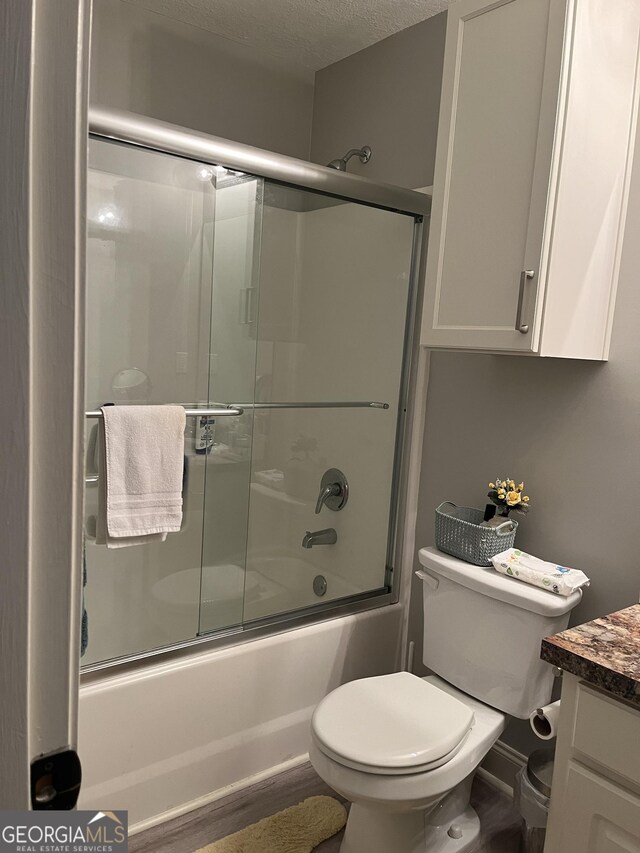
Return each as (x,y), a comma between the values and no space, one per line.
(482,632)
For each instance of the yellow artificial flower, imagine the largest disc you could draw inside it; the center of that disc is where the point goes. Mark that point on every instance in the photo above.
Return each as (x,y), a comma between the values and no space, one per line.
(492,485)
(521,487)
(525,498)
(513,498)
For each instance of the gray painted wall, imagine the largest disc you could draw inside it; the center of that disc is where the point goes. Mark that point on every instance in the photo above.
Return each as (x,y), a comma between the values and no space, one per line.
(386,96)
(570,429)
(150,64)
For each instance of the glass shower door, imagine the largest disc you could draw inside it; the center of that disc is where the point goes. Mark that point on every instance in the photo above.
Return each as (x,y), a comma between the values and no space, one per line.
(169,302)
(208,287)
(235,252)
(334,290)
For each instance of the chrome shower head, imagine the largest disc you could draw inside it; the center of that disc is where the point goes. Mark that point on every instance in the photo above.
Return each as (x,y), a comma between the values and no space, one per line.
(363,154)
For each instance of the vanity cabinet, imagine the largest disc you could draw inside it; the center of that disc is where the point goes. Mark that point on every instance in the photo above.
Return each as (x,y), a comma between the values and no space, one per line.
(535,141)
(595,798)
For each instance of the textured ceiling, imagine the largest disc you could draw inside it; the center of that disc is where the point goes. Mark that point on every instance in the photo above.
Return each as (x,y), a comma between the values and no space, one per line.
(306,34)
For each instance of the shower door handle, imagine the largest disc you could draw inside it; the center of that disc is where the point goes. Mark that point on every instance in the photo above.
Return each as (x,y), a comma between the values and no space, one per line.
(247,307)
(92,453)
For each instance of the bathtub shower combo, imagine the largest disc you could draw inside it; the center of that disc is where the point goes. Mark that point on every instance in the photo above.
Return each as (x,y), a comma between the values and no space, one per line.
(275,300)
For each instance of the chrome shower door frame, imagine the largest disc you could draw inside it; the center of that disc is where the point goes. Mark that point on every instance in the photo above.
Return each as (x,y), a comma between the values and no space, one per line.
(151,134)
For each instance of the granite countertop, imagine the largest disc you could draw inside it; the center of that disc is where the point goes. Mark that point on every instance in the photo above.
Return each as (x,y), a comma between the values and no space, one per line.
(604,652)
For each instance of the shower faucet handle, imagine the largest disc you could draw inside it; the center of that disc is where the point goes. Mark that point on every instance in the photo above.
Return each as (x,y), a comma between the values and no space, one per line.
(334,491)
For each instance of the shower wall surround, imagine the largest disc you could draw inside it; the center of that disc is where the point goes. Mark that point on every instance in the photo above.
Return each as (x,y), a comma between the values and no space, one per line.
(210,286)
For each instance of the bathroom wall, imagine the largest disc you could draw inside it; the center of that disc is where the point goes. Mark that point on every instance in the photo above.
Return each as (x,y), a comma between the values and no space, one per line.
(386,96)
(569,428)
(150,64)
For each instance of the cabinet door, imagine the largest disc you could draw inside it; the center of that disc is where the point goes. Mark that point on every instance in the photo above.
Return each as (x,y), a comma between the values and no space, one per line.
(495,138)
(597,816)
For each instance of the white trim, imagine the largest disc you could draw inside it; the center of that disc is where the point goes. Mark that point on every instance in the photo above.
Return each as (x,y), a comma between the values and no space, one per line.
(418,397)
(494,782)
(207,799)
(421,359)
(500,766)
(43,162)
(501,750)
(16,24)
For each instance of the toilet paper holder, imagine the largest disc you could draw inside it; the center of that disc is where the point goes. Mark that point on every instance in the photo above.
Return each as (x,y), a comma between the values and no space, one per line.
(544,721)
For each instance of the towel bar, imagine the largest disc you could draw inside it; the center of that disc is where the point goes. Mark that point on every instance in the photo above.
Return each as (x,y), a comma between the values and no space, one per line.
(217,411)
(317,405)
(236,411)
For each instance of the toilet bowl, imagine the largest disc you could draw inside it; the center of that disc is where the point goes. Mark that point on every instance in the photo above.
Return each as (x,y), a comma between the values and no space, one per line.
(404,749)
(409,783)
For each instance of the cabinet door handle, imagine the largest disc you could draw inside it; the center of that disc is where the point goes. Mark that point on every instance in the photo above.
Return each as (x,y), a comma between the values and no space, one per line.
(521,327)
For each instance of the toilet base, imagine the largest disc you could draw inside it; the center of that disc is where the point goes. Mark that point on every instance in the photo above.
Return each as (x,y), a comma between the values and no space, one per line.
(372,831)
(449,826)
(438,840)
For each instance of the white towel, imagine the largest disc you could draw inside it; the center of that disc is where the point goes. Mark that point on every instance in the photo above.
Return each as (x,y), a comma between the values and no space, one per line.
(141,474)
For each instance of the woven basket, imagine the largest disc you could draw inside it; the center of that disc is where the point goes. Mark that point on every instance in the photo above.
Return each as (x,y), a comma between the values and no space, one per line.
(459,533)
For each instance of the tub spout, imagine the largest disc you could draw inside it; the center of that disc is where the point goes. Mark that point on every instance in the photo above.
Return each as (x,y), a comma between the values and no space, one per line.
(320,537)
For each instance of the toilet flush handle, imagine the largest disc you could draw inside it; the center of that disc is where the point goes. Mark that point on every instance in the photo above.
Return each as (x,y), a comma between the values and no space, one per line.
(434,583)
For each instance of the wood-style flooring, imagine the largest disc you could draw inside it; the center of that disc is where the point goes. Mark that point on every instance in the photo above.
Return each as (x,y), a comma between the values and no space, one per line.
(185,834)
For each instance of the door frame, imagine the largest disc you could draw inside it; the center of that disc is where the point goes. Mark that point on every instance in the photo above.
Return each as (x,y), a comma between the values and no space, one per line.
(44,55)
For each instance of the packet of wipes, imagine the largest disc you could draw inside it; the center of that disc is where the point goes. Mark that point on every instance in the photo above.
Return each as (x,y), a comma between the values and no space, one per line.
(531,570)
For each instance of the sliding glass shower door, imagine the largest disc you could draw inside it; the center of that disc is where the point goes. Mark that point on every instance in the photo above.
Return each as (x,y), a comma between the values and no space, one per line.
(210,287)
(334,284)
(235,261)
(167,325)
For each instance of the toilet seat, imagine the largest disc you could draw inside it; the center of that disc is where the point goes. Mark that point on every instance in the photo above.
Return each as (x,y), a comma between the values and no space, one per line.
(391,725)
(414,790)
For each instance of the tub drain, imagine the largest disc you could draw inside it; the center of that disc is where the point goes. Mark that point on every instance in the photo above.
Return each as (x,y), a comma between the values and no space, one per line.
(319,585)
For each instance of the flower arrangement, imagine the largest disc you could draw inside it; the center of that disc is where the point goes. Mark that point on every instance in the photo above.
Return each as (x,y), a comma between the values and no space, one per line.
(507,496)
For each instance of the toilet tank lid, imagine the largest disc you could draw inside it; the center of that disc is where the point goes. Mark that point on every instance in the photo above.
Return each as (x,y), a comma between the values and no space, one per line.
(494,585)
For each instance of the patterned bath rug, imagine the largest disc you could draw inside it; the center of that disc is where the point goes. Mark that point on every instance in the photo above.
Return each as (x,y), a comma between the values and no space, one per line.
(297,829)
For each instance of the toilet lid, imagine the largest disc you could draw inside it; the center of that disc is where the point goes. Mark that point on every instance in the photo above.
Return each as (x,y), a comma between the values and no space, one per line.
(393,723)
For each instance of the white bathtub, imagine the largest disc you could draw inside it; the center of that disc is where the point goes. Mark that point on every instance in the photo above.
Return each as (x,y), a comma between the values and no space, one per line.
(276,584)
(272,584)
(171,736)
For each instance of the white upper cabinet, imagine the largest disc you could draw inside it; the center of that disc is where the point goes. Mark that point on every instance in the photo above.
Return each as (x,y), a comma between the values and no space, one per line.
(535,142)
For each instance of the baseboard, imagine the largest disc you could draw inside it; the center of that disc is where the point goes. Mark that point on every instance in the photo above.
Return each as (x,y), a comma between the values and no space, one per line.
(500,766)
(217,795)
(498,769)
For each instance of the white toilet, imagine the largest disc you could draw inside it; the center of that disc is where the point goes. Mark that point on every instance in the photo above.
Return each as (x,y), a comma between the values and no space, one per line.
(404,749)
